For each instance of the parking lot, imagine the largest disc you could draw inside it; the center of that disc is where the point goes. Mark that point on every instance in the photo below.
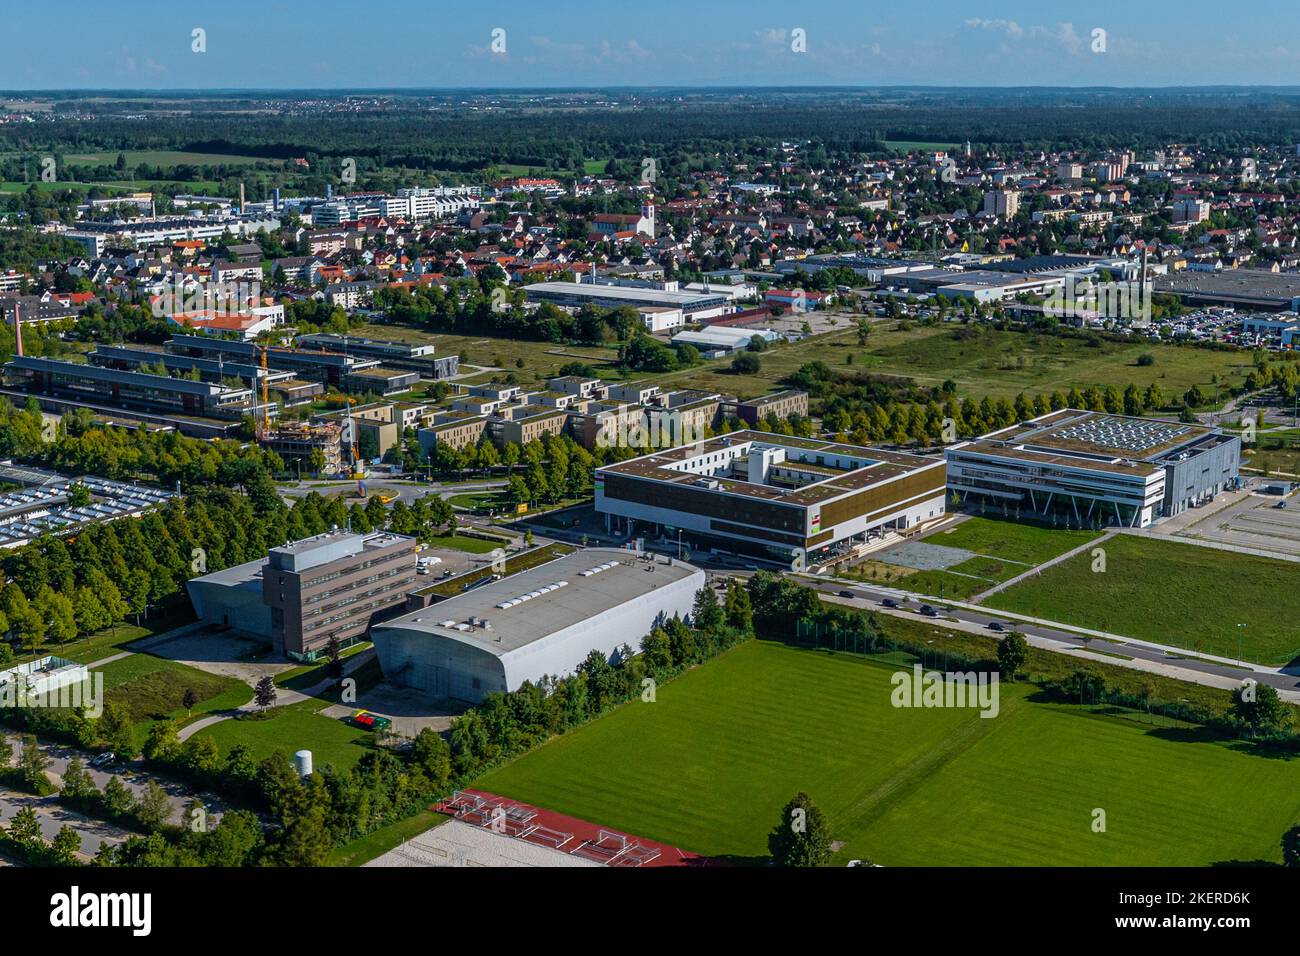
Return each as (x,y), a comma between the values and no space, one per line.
(1255,523)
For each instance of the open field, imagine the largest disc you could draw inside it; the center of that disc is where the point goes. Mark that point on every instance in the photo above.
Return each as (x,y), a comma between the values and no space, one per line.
(291,728)
(156,157)
(1005,363)
(993,363)
(999,551)
(711,763)
(1179,594)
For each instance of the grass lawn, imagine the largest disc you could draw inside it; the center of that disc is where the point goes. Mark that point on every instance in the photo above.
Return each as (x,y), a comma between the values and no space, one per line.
(515,564)
(464,542)
(112,640)
(710,764)
(1184,595)
(473,500)
(1003,549)
(153,689)
(292,728)
(366,848)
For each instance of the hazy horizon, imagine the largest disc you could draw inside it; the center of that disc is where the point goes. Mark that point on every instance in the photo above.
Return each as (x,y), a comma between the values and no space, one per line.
(335,45)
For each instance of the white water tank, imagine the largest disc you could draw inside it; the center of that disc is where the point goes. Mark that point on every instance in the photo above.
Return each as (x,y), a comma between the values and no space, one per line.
(302,763)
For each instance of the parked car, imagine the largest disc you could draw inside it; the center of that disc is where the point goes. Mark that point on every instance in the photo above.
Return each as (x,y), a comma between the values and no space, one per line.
(104,760)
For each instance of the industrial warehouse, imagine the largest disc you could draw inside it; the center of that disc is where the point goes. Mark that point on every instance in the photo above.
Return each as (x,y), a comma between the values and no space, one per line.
(1096,469)
(537,623)
(771,497)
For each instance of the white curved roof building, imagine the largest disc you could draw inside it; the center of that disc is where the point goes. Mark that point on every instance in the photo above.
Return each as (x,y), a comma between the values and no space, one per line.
(543,621)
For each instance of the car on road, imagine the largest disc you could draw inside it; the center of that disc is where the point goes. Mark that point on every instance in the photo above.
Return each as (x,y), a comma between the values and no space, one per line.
(888,602)
(929,611)
(847,594)
(997,626)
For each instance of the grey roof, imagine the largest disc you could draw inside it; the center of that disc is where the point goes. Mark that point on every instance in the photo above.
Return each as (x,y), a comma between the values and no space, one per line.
(548,598)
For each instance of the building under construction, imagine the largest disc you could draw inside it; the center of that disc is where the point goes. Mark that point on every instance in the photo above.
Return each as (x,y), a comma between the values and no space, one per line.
(295,441)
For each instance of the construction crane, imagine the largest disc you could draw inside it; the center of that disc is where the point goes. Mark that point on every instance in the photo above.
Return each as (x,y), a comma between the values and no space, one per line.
(266,401)
(358,468)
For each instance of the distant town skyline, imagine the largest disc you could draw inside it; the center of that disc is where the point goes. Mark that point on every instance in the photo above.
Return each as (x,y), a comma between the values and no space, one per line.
(406,44)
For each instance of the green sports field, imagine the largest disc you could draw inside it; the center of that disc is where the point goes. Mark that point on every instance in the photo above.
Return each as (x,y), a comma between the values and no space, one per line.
(709,765)
(1184,595)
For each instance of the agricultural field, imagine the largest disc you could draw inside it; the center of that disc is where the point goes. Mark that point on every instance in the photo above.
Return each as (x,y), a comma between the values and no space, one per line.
(999,550)
(1149,586)
(710,764)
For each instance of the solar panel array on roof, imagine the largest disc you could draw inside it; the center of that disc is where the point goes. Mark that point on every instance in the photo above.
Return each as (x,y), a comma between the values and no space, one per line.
(31,512)
(1123,434)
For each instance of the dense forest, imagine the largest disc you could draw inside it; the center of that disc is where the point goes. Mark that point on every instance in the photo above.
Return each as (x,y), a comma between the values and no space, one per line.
(697,129)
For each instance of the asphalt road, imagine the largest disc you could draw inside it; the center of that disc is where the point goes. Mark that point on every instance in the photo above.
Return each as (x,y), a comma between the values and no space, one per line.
(1056,639)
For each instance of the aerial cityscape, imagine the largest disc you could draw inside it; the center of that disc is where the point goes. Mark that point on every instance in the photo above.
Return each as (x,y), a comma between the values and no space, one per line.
(565,441)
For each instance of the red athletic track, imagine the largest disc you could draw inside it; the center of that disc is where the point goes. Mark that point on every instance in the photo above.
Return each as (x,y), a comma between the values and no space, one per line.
(584,831)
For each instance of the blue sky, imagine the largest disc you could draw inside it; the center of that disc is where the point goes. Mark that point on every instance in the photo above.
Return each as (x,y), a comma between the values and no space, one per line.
(431,43)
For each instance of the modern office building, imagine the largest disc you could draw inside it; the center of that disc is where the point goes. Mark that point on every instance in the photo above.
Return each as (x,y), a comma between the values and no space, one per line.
(537,623)
(769,496)
(348,372)
(332,585)
(1092,468)
(199,409)
(401,355)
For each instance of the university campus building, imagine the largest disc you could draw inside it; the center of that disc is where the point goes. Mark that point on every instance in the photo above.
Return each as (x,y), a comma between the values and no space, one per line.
(771,497)
(1094,468)
(332,585)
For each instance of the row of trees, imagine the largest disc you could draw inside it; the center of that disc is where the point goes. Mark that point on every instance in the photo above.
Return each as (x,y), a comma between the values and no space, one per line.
(902,422)
(78,447)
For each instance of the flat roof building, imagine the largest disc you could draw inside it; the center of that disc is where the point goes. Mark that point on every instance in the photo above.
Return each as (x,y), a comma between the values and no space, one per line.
(400,355)
(1092,468)
(175,399)
(771,497)
(537,623)
(331,585)
(694,306)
